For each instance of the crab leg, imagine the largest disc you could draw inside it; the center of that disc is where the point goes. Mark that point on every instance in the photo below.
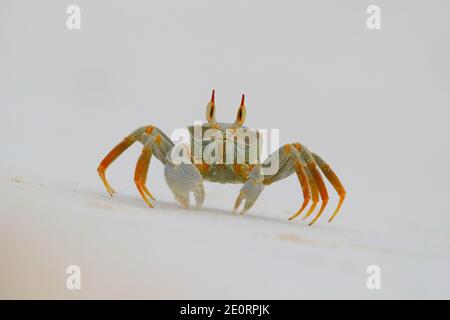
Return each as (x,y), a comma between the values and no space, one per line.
(110,157)
(309,168)
(295,157)
(314,192)
(158,145)
(303,179)
(155,143)
(290,160)
(334,180)
(118,150)
(144,178)
(141,173)
(312,166)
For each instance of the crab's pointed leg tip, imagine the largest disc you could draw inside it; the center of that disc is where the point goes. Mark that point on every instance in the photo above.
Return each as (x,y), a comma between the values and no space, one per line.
(148,203)
(242,211)
(311,210)
(110,191)
(299,212)
(337,209)
(295,215)
(243,99)
(147,192)
(213,95)
(332,217)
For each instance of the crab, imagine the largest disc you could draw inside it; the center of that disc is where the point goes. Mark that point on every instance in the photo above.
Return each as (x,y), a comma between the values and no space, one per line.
(187,176)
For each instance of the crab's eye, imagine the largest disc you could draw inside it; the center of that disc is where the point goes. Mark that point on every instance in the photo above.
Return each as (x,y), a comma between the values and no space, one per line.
(239,116)
(211,112)
(210,109)
(241,113)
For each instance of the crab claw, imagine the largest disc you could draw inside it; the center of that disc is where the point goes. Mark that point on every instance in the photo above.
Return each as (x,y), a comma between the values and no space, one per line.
(250,191)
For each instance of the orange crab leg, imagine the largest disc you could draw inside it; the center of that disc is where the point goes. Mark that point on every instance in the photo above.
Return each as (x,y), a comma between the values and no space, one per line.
(144,178)
(312,187)
(322,189)
(110,157)
(140,174)
(303,179)
(334,180)
(332,177)
(314,193)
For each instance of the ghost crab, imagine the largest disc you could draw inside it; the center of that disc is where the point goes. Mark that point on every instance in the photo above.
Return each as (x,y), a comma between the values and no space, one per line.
(188,176)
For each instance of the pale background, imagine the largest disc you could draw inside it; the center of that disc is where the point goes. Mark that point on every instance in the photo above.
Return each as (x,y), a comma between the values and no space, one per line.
(374,104)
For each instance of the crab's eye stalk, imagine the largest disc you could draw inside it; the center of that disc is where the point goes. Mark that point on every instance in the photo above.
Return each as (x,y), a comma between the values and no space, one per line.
(211,110)
(240,118)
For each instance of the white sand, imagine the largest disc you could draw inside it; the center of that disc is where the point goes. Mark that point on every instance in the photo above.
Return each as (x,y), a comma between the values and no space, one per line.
(126,250)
